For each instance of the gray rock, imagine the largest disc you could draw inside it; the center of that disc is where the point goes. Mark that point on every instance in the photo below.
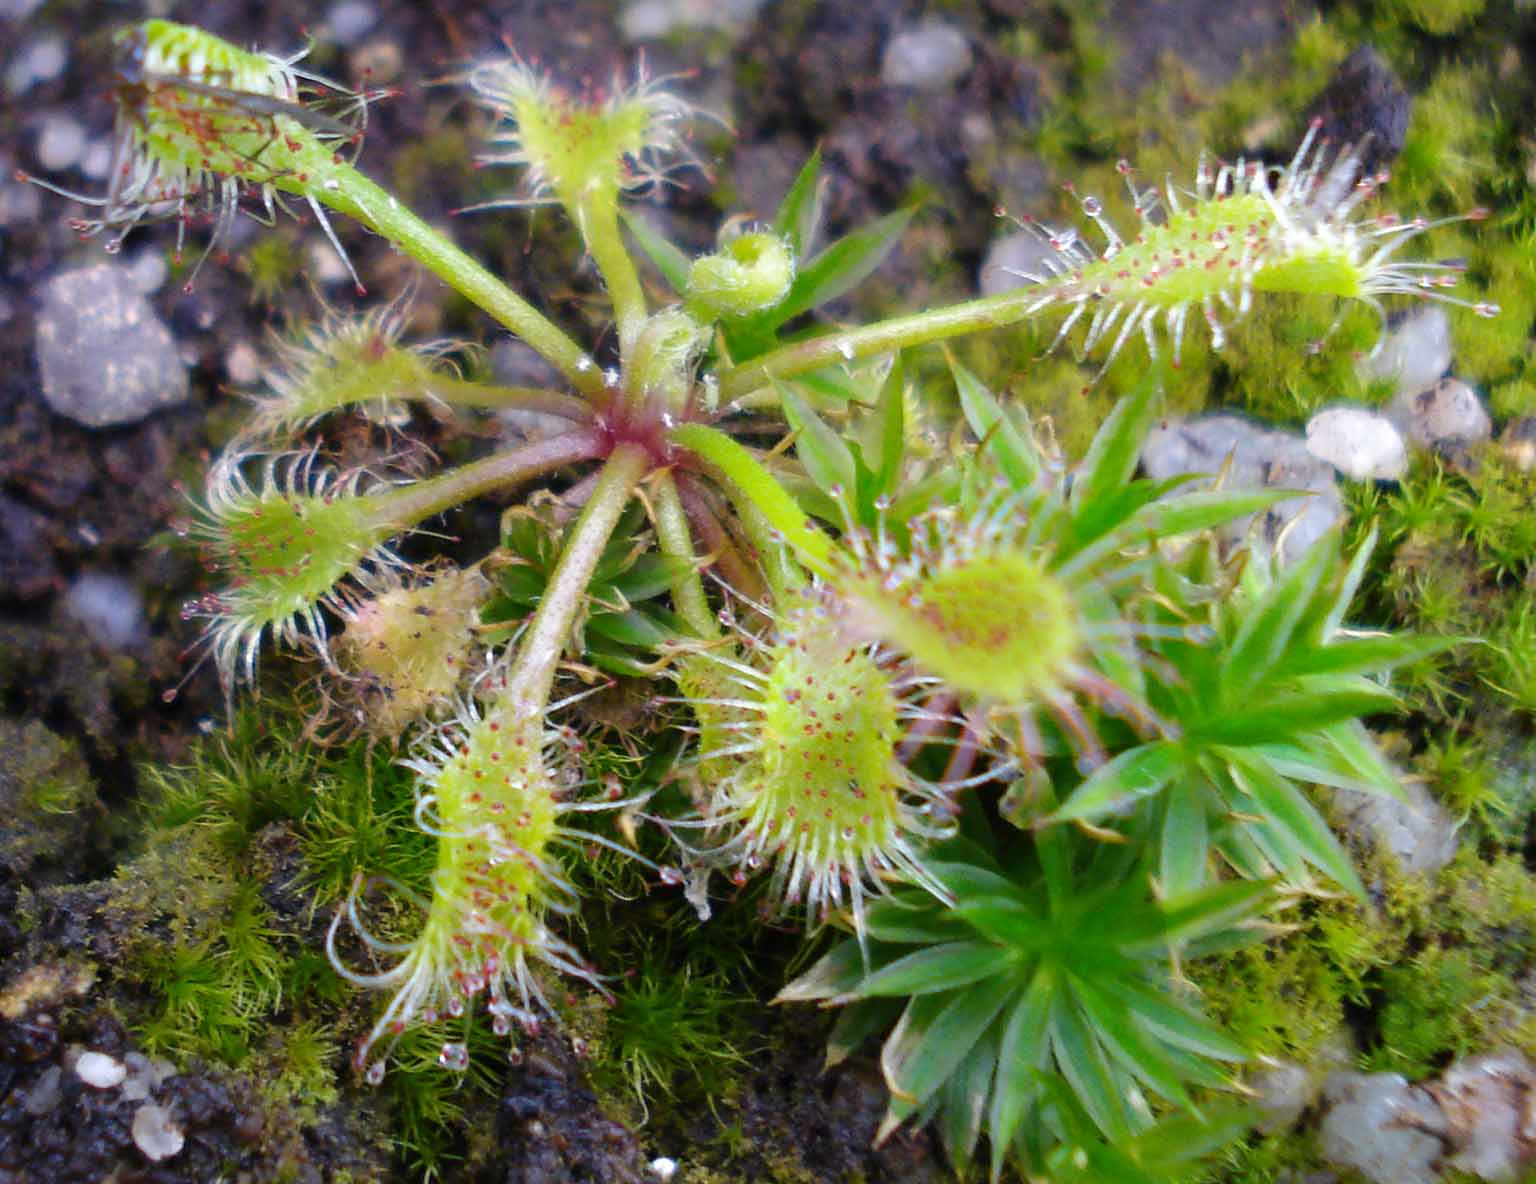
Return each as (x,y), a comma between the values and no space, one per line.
(1484,1100)
(1365,105)
(1417,832)
(45,1094)
(1382,1127)
(108,608)
(929,56)
(1415,352)
(1260,458)
(1359,443)
(42,60)
(351,20)
(648,20)
(106,358)
(1518,442)
(1447,413)
(1284,1090)
(157,1133)
(60,143)
(1013,261)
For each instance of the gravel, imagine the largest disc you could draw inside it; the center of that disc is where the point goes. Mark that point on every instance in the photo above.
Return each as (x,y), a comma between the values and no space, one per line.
(1447,413)
(1359,443)
(931,56)
(1415,352)
(106,358)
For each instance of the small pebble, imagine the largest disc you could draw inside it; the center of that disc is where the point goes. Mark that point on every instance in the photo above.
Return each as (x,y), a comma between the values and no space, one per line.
(149,270)
(1484,1099)
(156,1133)
(648,20)
(1014,261)
(1357,442)
(1414,353)
(326,267)
(20,203)
(1447,413)
(60,143)
(109,609)
(1284,1090)
(350,21)
(663,1168)
(99,1070)
(1417,831)
(43,1097)
(376,63)
(1382,1127)
(242,365)
(1518,443)
(1254,457)
(96,163)
(41,61)
(929,56)
(106,358)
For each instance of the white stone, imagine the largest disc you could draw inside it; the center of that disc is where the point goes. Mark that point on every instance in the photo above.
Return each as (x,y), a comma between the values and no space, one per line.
(1382,1127)
(1359,443)
(96,162)
(649,20)
(351,20)
(663,1168)
(1251,456)
(1484,1100)
(60,143)
(156,1133)
(1414,353)
(1447,413)
(1284,1090)
(929,56)
(1014,261)
(109,608)
(1417,832)
(41,61)
(99,1070)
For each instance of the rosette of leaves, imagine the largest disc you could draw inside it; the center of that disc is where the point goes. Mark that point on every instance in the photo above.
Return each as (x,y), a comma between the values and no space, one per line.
(1268,689)
(1049,977)
(627,619)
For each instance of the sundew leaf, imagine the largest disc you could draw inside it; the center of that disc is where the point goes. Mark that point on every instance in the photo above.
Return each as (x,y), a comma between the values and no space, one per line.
(1267,627)
(837,974)
(821,450)
(1015,454)
(966,1094)
(1113,1028)
(1184,848)
(1022,1050)
(799,212)
(940,968)
(1116,450)
(1129,777)
(844,264)
(1297,820)
(754,482)
(857,1023)
(1082,1061)
(669,259)
(935,1042)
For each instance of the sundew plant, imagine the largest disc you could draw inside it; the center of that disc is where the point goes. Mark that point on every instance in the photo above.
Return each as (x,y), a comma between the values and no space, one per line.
(1014,726)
